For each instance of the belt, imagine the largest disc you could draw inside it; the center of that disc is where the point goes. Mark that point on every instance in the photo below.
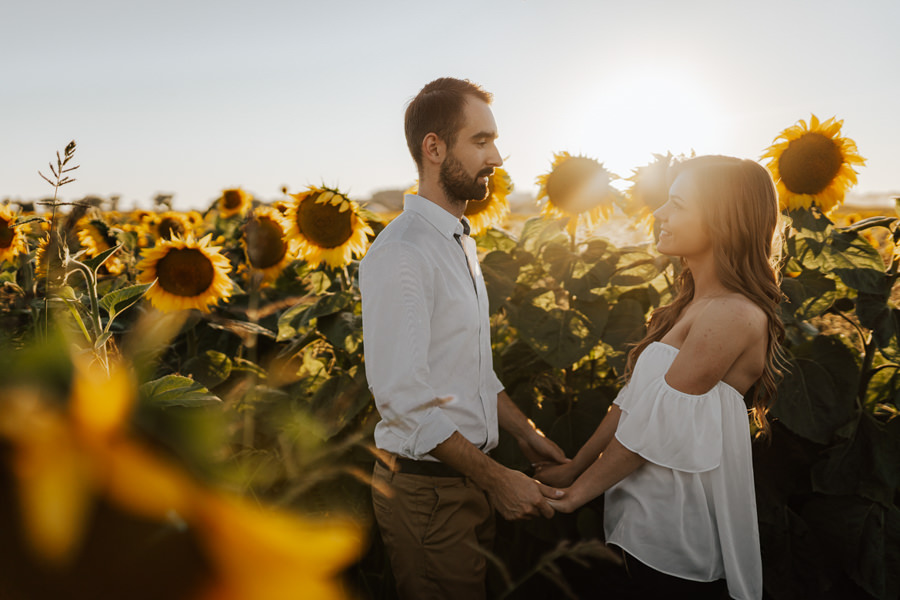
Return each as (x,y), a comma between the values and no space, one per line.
(399,464)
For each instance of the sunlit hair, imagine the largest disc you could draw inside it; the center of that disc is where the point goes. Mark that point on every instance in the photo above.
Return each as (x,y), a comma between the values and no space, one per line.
(740,209)
(438,108)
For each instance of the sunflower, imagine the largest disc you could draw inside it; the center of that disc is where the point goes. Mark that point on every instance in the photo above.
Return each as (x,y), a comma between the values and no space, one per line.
(493,209)
(813,164)
(577,187)
(265,243)
(188,274)
(649,188)
(12,238)
(325,226)
(96,237)
(171,224)
(234,202)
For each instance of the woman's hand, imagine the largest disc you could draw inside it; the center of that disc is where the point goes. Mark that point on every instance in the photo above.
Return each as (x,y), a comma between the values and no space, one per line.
(555,474)
(566,504)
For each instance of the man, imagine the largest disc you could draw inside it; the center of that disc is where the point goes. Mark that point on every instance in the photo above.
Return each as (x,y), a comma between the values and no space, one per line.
(428,360)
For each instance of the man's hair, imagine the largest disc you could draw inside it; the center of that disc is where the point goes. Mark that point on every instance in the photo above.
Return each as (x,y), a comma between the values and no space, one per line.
(438,109)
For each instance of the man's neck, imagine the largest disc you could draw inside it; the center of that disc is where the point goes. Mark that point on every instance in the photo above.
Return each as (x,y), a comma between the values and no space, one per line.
(433,192)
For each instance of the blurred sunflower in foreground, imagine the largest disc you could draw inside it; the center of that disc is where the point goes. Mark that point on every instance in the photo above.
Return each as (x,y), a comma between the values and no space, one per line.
(188,274)
(493,209)
(579,188)
(96,237)
(233,202)
(12,238)
(265,242)
(326,227)
(813,164)
(86,501)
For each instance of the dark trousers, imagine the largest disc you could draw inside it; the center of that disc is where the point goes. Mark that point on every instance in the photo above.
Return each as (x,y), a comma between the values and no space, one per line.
(646,583)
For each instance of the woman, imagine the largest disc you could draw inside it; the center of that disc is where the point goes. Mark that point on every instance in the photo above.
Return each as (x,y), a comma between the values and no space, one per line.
(673,454)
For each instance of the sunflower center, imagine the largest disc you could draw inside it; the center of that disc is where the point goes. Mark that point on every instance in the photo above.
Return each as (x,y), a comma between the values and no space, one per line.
(265,246)
(323,224)
(232,199)
(7,233)
(169,226)
(185,272)
(577,185)
(810,163)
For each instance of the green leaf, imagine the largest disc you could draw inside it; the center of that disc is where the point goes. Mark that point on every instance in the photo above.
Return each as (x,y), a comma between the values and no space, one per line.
(494,239)
(817,394)
(118,300)
(867,464)
(809,294)
(500,272)
(875,314)
(625,325)
(863,279)
(210,368)
(294,320)
(176,390)
(560,336)
(864,536)
(343,330)
(538,231)
(95,262)
(636,268)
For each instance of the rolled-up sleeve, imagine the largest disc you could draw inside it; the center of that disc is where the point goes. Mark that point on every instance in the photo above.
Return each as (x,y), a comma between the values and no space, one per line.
(397,299)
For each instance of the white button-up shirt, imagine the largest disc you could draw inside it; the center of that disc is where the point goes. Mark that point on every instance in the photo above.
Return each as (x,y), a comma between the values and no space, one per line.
(426,334)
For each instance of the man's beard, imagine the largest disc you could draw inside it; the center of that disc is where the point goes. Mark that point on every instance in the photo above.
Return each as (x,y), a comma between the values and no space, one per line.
(459,186)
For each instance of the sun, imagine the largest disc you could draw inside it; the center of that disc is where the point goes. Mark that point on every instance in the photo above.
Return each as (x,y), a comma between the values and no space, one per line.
(631,113)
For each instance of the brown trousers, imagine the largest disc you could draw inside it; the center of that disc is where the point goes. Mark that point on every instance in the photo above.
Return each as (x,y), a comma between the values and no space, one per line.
(432,527)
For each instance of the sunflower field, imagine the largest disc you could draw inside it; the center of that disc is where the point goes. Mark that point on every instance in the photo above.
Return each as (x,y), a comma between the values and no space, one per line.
(184,411)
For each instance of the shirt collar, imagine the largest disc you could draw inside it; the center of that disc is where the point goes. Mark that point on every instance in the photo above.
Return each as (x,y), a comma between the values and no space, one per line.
(442,220)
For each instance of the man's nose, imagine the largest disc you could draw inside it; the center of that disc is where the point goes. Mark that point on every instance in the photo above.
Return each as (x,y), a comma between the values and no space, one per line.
(495,160)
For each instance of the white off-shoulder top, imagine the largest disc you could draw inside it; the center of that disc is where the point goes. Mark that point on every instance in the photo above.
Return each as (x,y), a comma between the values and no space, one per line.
(690,511)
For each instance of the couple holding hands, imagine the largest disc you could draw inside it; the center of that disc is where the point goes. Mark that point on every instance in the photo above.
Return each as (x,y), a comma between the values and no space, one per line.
(672,455)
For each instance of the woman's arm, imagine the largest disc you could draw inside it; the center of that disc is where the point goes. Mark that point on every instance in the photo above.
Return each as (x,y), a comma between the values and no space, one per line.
(561,475)
(615,464)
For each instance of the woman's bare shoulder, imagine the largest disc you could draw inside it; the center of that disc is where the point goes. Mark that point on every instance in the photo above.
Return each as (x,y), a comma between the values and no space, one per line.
(734,316)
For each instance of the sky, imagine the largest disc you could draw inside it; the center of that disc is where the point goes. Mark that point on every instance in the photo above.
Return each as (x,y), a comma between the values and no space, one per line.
(189,97)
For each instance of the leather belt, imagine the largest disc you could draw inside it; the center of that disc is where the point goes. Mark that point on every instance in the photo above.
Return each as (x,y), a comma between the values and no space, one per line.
(399,464)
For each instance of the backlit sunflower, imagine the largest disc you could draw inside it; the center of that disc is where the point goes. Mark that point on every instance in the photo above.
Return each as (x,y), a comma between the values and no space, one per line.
(490,212)
(12,239)
(649,189)
(326,227)
(96,237)
(813,164)
(265,242)
(171,224)
(234,202)
(188,274)
(579,188)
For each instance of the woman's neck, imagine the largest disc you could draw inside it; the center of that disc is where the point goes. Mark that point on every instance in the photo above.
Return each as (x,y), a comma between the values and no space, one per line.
(706,280)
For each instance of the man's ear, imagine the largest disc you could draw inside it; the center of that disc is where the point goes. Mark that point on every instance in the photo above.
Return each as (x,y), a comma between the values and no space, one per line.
(433,149)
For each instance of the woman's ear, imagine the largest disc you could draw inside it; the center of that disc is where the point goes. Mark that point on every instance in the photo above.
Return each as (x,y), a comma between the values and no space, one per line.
(433,149)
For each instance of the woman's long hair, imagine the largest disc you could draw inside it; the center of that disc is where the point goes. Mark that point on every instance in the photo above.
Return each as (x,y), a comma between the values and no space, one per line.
(740,209)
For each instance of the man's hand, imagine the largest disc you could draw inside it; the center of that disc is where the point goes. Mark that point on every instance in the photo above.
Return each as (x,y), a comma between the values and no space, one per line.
(516,496)
(539,449)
